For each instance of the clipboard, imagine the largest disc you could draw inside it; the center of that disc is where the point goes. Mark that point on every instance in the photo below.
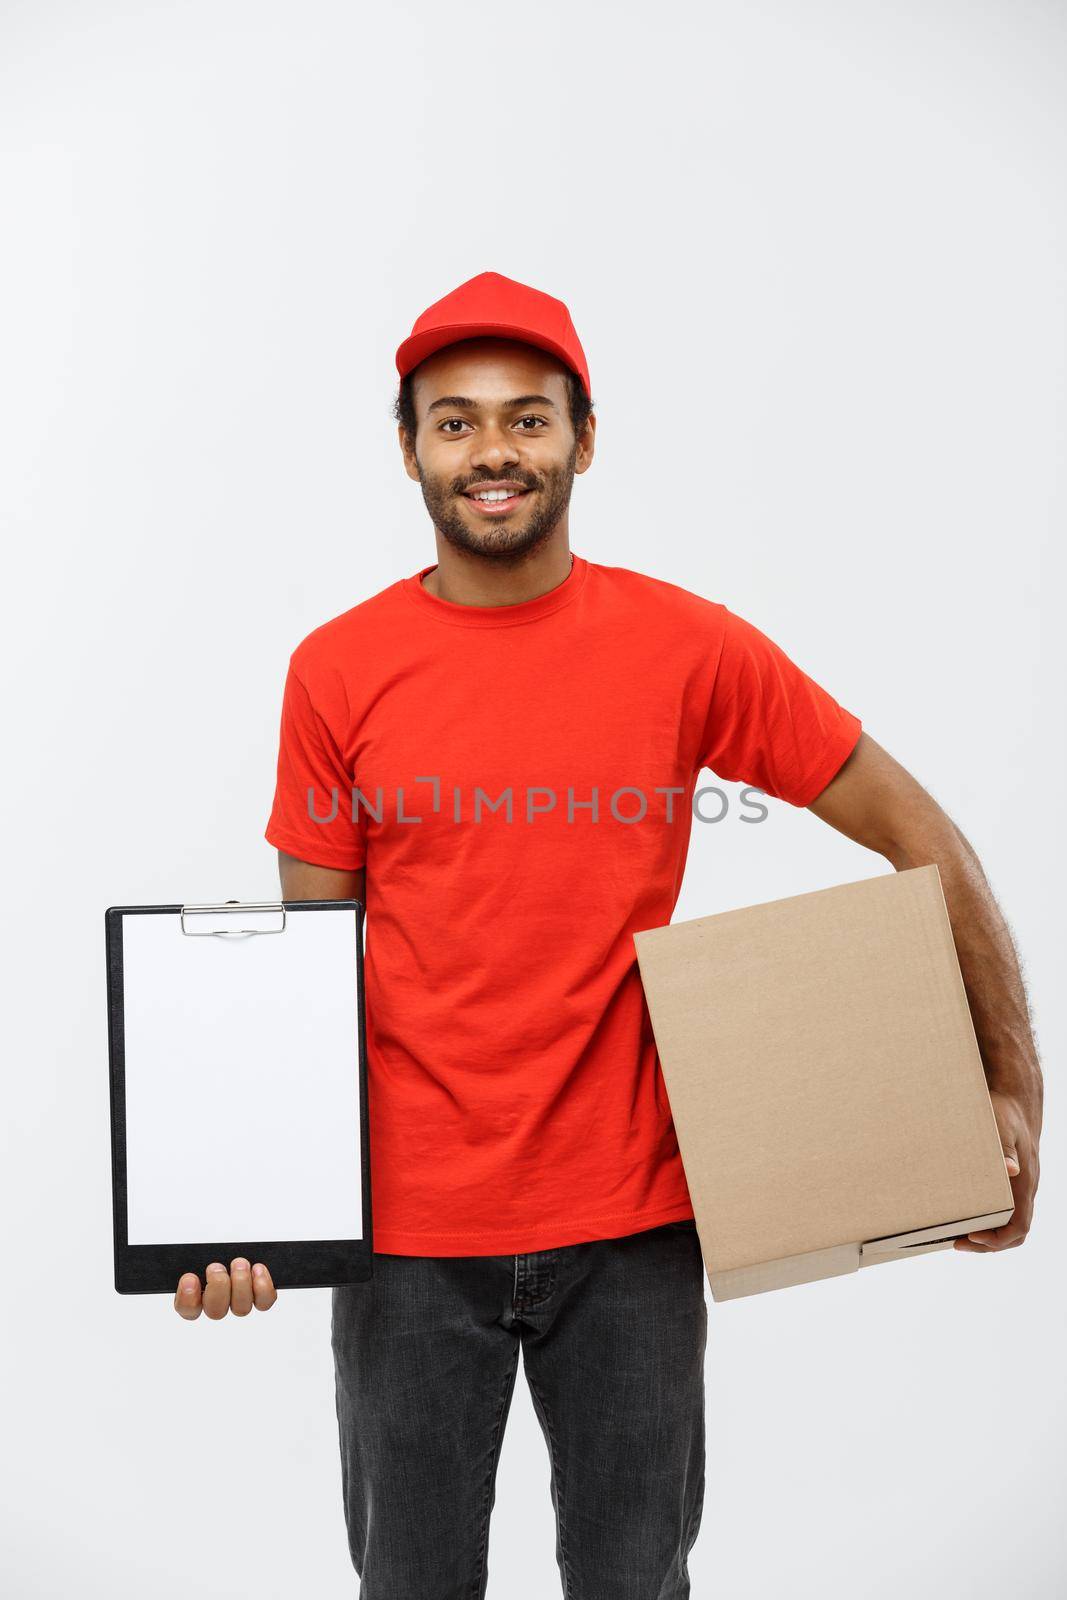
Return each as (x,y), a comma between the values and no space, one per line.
(238,1068)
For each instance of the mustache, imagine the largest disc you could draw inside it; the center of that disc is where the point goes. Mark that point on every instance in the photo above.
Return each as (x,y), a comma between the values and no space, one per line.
(510,477)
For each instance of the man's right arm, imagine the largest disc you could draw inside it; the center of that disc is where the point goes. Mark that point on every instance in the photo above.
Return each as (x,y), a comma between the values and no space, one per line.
(301,881)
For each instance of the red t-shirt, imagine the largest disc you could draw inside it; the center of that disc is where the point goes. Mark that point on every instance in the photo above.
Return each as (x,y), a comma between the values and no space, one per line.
(514,1092)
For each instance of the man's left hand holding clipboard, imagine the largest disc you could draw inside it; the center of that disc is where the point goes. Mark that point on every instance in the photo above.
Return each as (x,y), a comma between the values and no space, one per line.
(237,1290)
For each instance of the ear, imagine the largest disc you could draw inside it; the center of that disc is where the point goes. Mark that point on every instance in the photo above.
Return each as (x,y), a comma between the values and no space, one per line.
(407,450)
(586,444)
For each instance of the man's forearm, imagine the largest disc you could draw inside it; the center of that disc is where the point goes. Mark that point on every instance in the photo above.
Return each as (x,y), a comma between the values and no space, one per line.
(989,964)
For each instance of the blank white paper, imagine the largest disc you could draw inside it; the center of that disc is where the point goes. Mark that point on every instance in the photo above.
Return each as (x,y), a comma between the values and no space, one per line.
(242,1079)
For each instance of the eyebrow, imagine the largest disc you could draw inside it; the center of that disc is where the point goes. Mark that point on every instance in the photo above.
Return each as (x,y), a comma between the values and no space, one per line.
(461,403)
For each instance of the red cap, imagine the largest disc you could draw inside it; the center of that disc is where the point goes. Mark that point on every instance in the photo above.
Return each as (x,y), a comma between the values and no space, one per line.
(492,305)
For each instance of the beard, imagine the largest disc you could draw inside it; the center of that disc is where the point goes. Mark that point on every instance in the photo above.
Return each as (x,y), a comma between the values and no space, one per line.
(505,540)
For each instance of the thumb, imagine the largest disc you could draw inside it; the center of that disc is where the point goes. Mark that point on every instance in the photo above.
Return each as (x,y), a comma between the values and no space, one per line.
(1012,1159)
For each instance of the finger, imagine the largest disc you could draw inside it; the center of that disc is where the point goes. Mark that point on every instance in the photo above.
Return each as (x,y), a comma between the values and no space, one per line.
(217,1293)
(187,1301)
(999,1238)
(1011,1159)
(240,1287)
(1016,1227)
(1008,1242)
(263,1287)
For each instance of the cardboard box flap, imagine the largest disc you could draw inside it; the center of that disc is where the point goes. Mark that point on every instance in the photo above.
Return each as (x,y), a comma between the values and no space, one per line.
(814,1265)
(901,1242)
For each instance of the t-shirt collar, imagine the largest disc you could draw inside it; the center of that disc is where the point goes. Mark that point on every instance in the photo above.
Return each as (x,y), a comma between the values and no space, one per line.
(465,616)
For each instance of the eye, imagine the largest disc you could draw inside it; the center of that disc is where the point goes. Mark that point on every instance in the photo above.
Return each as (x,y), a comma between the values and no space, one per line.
(452,425)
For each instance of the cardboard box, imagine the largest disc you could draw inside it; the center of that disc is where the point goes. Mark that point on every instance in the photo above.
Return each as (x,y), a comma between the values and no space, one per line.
(823,1073)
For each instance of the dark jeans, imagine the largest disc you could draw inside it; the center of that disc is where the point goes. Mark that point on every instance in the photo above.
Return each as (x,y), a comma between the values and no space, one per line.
(612,1334)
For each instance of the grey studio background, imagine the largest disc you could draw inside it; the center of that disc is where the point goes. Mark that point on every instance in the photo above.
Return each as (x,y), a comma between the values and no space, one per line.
(816,255)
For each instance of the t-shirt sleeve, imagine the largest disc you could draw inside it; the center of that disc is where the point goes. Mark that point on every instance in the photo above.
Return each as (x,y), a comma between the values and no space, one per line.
(769,724)
(312,813)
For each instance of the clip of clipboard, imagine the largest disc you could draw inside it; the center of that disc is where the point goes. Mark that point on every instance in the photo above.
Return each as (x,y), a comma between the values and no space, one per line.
(238,1078)
(229,906)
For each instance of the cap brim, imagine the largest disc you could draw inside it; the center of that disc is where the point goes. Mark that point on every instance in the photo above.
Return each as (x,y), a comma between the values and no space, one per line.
(418,346)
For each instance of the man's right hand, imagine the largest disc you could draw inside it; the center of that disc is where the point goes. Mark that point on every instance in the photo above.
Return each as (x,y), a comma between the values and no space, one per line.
(237,1291)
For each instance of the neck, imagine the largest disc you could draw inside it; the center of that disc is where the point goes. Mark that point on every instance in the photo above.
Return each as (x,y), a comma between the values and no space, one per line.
(468,579)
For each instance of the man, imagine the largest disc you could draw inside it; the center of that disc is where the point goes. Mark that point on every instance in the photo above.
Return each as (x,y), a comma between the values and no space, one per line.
(498,755)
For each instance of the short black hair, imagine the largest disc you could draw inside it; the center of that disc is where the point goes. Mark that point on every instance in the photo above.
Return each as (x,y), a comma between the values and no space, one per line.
(579,404)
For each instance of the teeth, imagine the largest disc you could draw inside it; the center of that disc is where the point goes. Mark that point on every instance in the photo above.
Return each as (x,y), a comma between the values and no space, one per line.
(496,494)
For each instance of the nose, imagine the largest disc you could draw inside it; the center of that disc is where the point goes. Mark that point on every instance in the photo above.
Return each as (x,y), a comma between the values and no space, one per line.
(494,447)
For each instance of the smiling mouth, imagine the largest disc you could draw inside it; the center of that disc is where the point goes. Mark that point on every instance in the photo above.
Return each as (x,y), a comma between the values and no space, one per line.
(495,502)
